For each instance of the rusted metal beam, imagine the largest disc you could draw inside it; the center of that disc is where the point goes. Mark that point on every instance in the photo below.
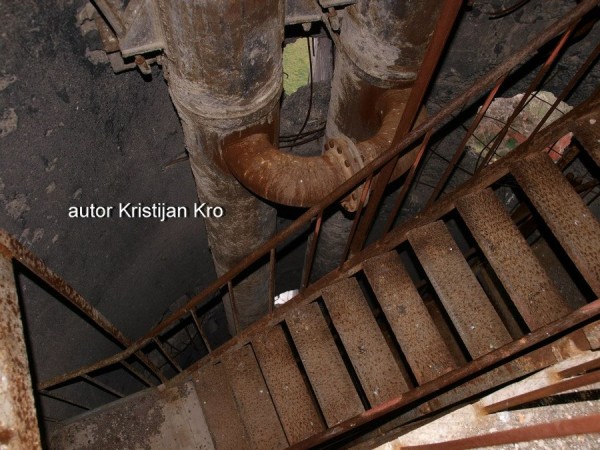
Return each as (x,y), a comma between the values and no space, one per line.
(551,430)
(18,421)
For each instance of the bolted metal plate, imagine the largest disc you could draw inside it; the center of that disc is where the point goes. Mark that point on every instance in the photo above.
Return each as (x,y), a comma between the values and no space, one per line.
(254,400)
(295,404)
(328,375)
(419,338)
(371,357)
(520,272)
(463,297)
(564,212)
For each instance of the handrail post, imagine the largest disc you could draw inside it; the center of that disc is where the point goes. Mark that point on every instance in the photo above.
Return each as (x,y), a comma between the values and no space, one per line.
(18,421)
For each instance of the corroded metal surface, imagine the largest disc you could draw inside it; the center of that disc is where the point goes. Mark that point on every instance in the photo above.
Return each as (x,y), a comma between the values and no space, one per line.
(254,400)
(465,301)
(217,402)
(296,406)
(372,359)
(414,328)
(18,422)
(328,376)
(564,212)
(588,133)
(520,272)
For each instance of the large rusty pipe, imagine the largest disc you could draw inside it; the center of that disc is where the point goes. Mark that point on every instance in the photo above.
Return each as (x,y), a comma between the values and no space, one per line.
(380,47)
(223,64)
(302,181)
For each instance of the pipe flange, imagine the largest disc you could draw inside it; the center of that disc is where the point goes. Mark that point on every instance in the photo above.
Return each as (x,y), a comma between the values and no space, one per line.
(350,161)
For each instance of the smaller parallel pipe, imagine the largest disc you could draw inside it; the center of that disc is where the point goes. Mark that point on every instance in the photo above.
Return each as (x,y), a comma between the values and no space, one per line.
(310,255)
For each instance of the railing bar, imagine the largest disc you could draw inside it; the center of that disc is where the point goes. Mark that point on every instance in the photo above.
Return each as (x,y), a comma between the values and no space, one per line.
(102,386)
(461,147)
(271,279)
(567,90)
(357,215)
(200,331)
(587,366)
(542,431)
(60,398)
(433,123)
(407,184)
(444,25)
(234,310)
(310,255)
(166,354)
(137,374)
(527,96)
(546,391)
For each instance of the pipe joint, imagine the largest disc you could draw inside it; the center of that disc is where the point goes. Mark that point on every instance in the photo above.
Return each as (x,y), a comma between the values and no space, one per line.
(350,161)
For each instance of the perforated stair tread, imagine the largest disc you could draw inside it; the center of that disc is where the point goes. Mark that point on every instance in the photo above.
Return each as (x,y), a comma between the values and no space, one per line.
(587,132)
(471,312)
(564,212)
(419,338)
(372,359)
(254,400)
(295,404)
(524,279)
(324,365)
(220,410)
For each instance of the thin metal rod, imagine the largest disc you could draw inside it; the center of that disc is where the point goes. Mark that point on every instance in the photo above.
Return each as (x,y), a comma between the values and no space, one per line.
(407,184)
(137,374)
(166,355)
(234,310)
(357,216)
(271,279)
(102,386)
(546,391)
(526,96)
(580,368)
(568,88)
(60,398)
(561,428)
(461,147)
(433,123)
(445,23)
(200,331)
(310,255)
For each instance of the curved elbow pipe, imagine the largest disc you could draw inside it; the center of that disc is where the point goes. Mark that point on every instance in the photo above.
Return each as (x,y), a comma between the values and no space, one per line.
(303,181)
(282,177)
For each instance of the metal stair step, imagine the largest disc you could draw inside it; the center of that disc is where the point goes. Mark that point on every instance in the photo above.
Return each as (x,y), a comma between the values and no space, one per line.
(470,310)
(564,212)
(419,338)
(295,404)
(324,365)
(220,410)
(365,345)
(526,282)
(587,132)
(254,400)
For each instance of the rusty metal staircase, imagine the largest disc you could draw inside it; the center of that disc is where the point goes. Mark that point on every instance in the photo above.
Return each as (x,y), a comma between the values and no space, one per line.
(367,342)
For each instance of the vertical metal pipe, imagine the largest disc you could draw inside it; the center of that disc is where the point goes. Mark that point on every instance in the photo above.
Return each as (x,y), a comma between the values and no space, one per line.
(380,47)
(223,64)
(18,422)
